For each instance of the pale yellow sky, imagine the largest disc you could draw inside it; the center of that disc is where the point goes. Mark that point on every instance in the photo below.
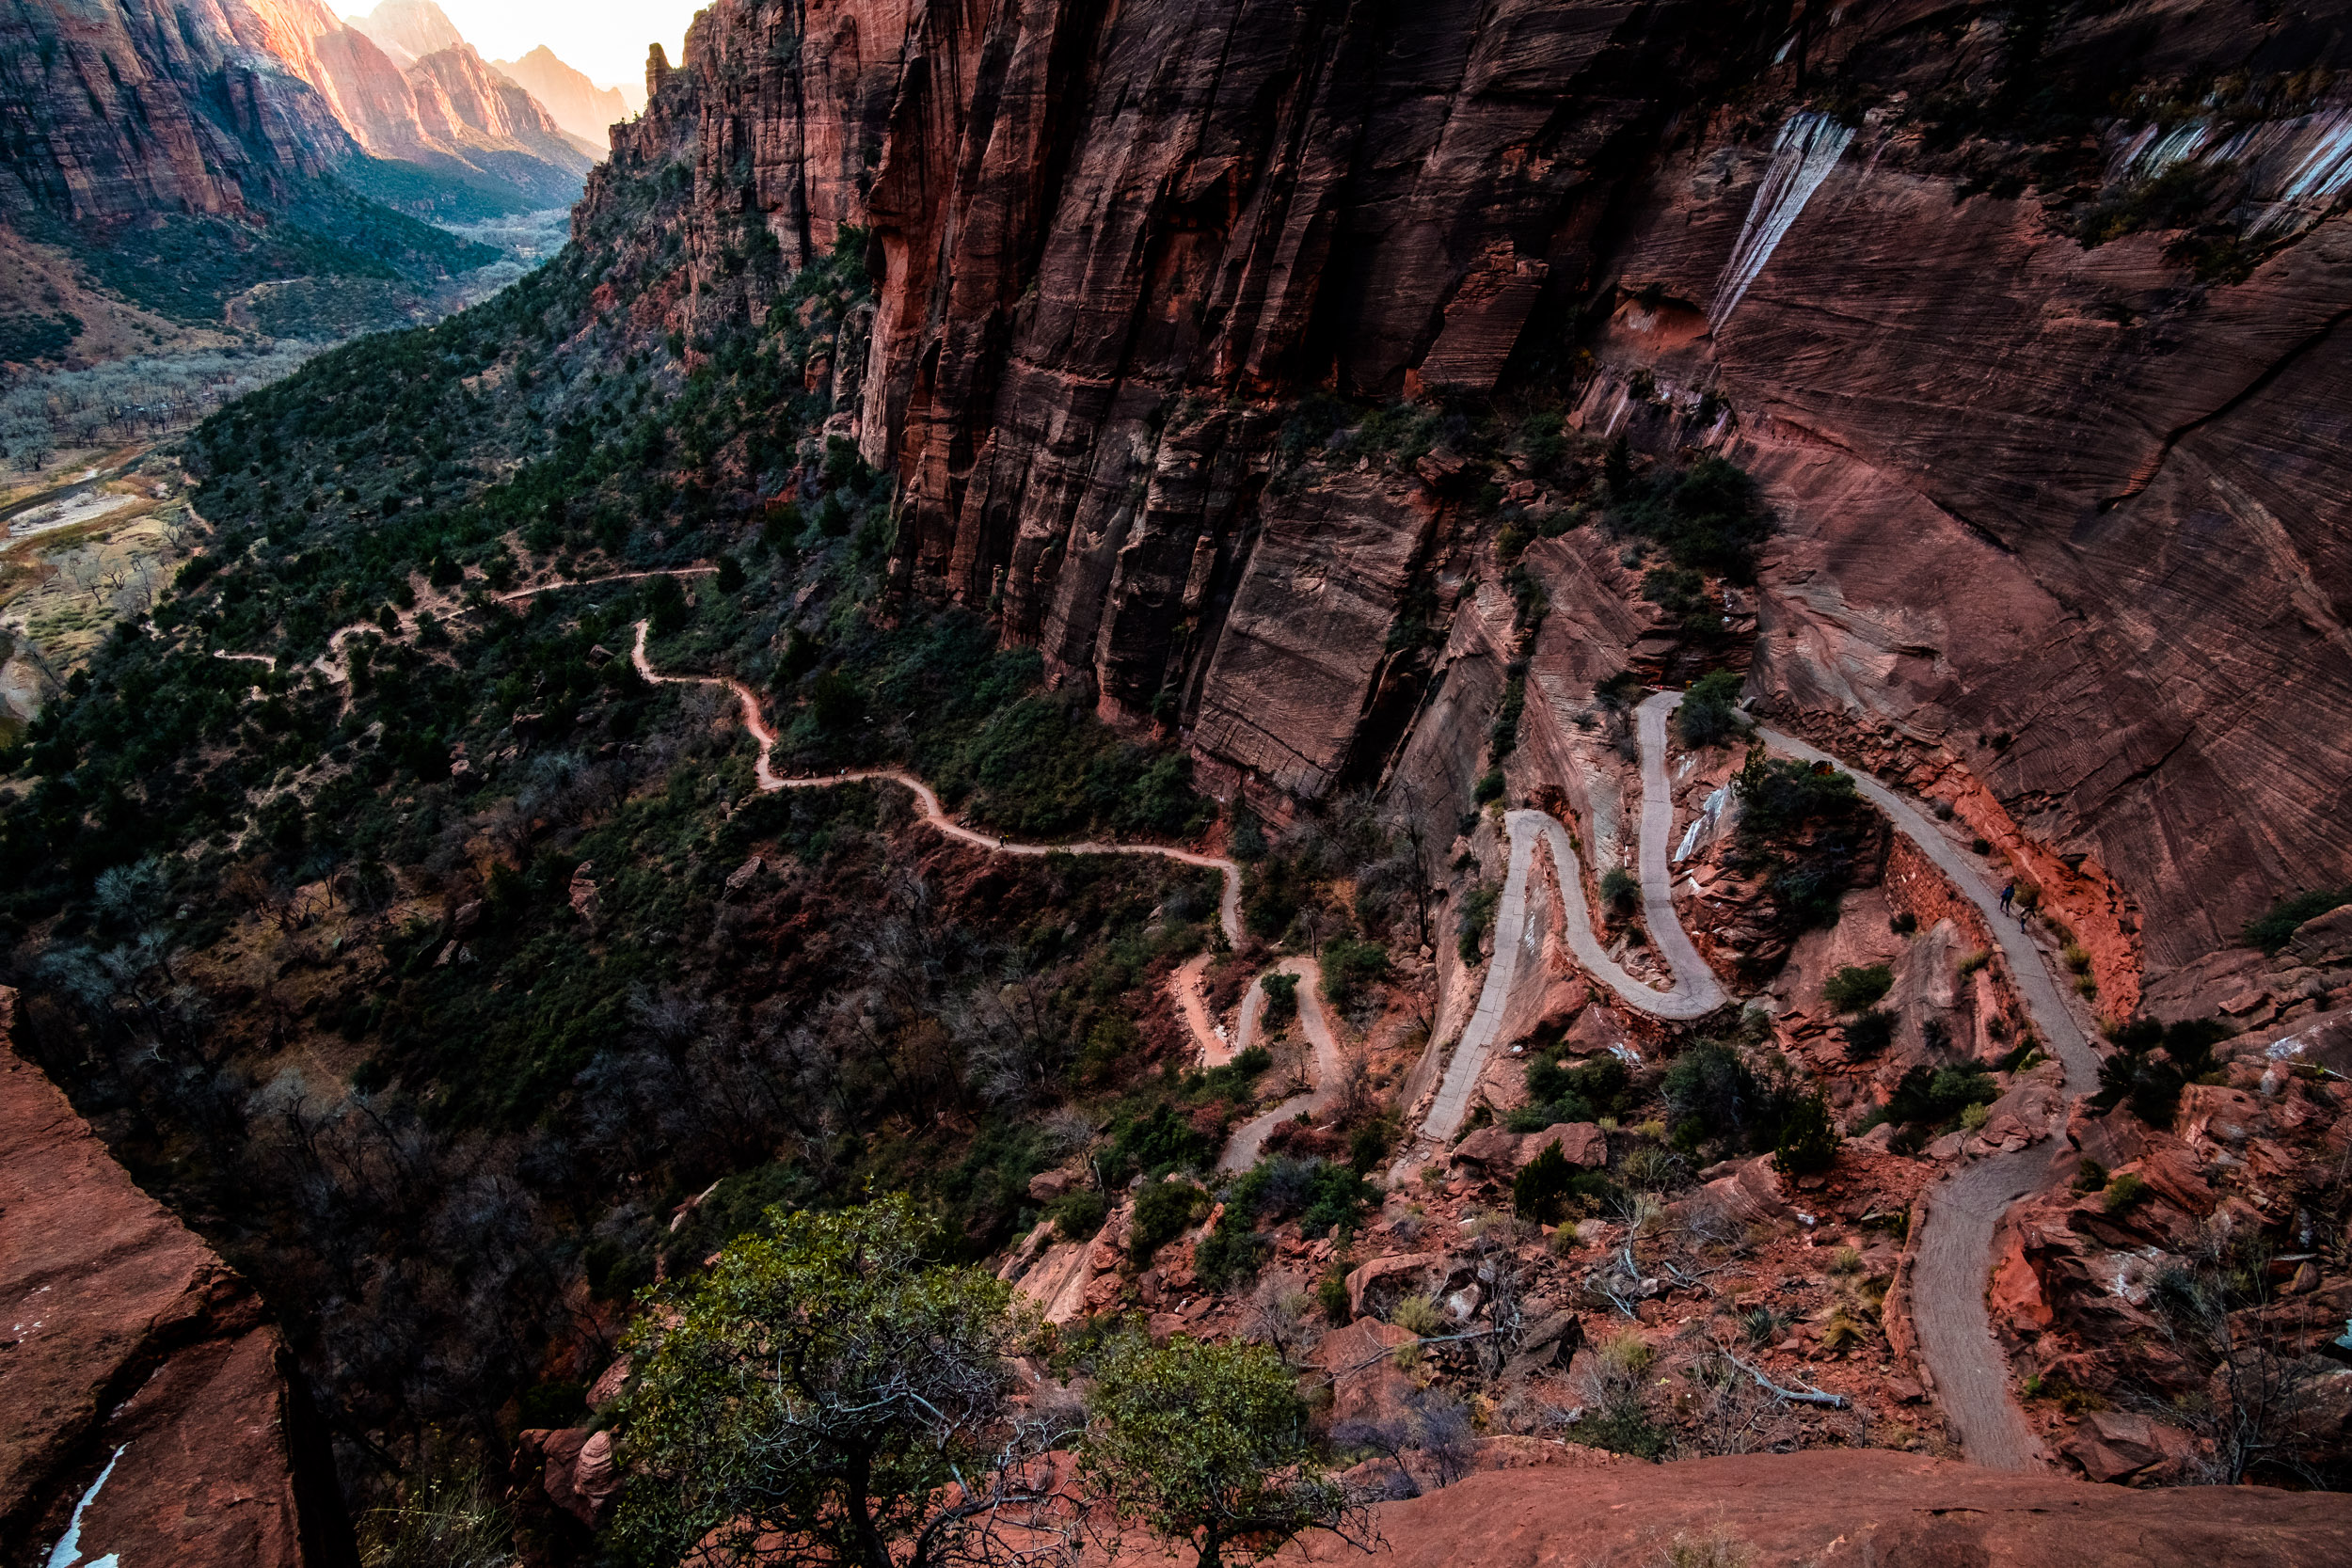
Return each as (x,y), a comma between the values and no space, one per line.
(604,38)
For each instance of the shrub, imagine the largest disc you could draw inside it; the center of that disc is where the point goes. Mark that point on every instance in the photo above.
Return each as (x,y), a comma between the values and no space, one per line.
(1557,1094)
(1713,1093)
(1331,1294)
(1709,714)
(1710,518)
(1078,1217)
(1974,1117)
(1857,986)
(2077,957)
(1847,1259)
(1618,887)
(1931,1096)
(1478,911)
(1349,966)
(1869,1033)
(2275,928)
(1418,1314)
(1163,1209)
(1778,796)
(2123,1193)
(1971,962)
(1489,786)
(1540,1189)
(1281,1001)
(1808,1138)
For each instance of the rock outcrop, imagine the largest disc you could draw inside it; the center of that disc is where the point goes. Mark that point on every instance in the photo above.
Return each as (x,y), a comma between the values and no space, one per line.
(148,1406)
(1118,253)
(1856,1505)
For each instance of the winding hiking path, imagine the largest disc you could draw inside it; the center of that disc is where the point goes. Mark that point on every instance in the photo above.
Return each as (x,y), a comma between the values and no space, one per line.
(1953,1253)
(1242,1147)
(926,800)
(1695,991)
(1954,1248)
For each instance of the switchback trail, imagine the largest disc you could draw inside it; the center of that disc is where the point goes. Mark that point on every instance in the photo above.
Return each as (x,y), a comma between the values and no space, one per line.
(1954,1249)
(1695,992)
(1241,1148)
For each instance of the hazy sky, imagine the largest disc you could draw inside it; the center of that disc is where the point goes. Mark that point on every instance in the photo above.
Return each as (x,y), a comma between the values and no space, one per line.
(604,38)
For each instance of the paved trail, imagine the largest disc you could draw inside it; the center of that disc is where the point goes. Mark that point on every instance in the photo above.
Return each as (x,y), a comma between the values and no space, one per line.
(1695,991)
(1241,1150)
(1954,1251)
(1955,1243)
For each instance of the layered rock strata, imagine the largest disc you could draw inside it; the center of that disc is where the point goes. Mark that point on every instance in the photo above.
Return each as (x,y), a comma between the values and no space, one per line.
(2065,518)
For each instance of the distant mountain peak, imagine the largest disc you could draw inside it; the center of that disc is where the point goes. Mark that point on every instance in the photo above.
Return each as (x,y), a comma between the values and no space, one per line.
(574,102)
(408,30)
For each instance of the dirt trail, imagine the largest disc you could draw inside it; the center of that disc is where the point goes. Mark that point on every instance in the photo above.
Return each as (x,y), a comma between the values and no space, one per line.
(1183,985)
(927,800)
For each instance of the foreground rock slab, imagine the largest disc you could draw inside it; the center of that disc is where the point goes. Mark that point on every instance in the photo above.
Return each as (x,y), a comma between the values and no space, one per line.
(1853,1505)
(146,1404)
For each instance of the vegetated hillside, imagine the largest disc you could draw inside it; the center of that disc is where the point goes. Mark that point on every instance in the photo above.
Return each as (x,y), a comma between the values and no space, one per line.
(1835,249)
(437,964)
(433,965)
(178,172)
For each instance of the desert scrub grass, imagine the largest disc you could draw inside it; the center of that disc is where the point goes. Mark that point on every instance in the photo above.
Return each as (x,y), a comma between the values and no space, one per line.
(1857,985)
(1627,1352)
(2123,1193)
(1417,1314)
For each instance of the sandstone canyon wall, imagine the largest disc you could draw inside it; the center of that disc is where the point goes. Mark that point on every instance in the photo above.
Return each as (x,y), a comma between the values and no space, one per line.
(2064,519)
(145,1392)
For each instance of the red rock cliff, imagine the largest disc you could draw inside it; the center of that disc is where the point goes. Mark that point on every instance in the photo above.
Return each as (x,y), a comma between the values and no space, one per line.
(145,1389)
(2069,516)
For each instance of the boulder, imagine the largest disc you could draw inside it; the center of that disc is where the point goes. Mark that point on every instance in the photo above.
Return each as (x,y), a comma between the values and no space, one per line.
(1582,1144)
(608,1383)
(1366,1382)
(1841,1505)
(1491,1150)
(1750,1192)
(140,1387)
(1393,1266)
(1047,1185)
(2114,1445)
(1552,1342)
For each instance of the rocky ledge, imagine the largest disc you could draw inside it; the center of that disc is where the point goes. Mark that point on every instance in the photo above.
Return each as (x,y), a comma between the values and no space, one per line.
(1847,1506)
(149,1415)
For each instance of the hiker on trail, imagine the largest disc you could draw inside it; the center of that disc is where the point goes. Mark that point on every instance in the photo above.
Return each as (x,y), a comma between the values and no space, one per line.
(2007,893)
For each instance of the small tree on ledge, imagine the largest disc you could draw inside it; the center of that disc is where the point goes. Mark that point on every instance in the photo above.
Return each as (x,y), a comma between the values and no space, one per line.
(1205,1444)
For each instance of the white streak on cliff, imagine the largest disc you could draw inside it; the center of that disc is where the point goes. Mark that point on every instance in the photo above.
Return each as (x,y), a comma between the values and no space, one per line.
(1807,148)
(2323,174)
